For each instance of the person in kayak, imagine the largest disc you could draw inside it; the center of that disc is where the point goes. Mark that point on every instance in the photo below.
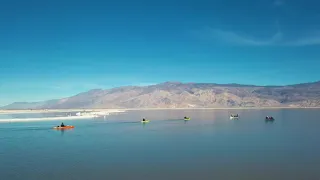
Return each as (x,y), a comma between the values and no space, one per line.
(269,118)
(143,119)
(62,125)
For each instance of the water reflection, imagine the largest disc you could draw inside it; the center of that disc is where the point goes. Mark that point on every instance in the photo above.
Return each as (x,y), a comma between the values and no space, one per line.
(63,131)
(269,121)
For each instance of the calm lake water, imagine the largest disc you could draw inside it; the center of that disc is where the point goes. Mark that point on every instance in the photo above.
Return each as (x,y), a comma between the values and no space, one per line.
(209,146)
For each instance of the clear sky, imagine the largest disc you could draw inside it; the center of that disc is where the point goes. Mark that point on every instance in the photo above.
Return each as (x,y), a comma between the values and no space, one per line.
(57,48)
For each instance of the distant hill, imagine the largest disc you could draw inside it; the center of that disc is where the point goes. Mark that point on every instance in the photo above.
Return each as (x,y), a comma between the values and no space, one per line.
(28,105)
(186,95)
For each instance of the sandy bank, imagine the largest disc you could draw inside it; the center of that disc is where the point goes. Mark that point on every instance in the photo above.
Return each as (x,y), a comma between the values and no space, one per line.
(45,119)
(108,111)
(221,108)
(81,115)
(99,111)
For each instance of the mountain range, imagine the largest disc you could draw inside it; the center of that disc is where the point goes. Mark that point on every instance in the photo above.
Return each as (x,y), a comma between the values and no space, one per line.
(186,95)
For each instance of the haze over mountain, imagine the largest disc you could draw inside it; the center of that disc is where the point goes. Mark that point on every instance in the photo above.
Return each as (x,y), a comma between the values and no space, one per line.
(186,95)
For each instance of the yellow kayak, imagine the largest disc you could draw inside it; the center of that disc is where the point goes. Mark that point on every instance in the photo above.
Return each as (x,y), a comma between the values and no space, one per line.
(187,119)
(146,121)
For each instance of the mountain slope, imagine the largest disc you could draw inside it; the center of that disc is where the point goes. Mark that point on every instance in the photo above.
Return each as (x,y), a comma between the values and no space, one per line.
(28,105)
(182,95)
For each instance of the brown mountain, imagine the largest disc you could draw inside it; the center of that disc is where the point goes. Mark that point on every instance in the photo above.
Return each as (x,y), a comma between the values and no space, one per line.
(183,95)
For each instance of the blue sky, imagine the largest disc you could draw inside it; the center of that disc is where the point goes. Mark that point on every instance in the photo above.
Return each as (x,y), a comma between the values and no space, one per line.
(53,49)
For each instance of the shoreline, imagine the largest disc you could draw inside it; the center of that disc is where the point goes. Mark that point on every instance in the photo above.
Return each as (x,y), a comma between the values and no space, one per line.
(13,120)
(220,108)
(83,115)
(102,111)
(93,113)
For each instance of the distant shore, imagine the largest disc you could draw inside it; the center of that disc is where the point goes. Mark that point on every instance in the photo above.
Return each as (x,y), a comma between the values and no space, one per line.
(22,111)
(88,114)
(136,109)
(45,119)
(217,108)
(93,113)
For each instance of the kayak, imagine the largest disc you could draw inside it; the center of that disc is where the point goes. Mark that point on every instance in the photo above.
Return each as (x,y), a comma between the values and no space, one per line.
(187,119)
(269,119)
(65,127)
(234,117)
(146,121)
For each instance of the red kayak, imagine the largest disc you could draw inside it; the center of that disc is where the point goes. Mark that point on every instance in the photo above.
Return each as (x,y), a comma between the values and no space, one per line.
(65,127)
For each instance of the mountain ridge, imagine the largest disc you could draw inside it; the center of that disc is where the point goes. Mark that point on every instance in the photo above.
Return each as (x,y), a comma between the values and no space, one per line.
(173,94)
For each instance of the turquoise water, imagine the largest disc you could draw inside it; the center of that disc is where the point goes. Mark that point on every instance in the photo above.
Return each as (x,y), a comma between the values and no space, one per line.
(209,146)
